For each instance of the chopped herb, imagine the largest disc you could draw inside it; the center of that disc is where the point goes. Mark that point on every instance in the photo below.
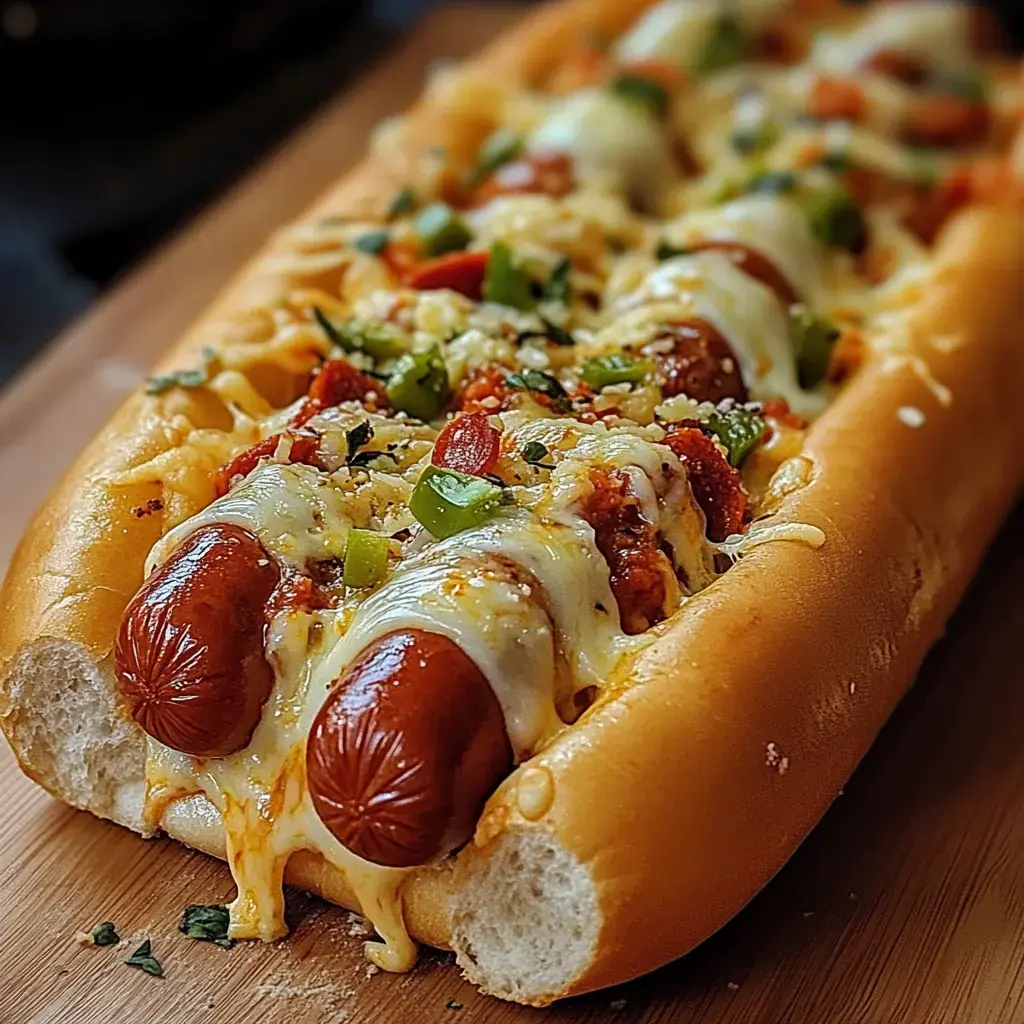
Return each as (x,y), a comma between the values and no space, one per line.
(207,922)
(373,243)
(771,183)
(534,452)
(836,219)
(667,251)
(543,383)
(738,429)
(104,934)
(837,162)
(615,368)
(404,202)
(755,138)
(558,288)
(419,384)
(184,378)
(813,339)
(643,92)
(727,45)
(498,149)
(365,459)
(355,438)
(143,957)
(378,341)
(441,229)
(552,332)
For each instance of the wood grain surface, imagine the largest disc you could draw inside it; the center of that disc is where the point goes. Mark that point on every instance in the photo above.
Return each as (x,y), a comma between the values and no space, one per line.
(906,906)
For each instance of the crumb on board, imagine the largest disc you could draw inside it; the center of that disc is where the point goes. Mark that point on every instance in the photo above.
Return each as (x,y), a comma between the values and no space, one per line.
(732,986)
(616,1005)
(371,970)
(910,416)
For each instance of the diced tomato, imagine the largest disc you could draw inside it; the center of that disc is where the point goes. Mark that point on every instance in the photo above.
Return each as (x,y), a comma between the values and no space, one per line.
(701,364)
(837,99)
(684,157)
(401,257)
(756,264)
(486,390)
(940,119)
(778,409)
(469,444)
(549,174)
(339,381)
(896,65)
(717,487)
(637,566)
(462,272)
(295,592)
(303,449)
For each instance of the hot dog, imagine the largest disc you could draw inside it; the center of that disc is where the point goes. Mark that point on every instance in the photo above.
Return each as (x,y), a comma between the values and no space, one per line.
(406,749)
(189,656)
(446,560)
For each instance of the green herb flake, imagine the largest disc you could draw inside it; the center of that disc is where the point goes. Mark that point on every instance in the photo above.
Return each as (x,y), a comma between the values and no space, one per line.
(403,203)
(144,959)
(499,148)
(104,934)
(726,46)
(184,378)
(756,138)
(542,383)
(559,288)
(667,251)
(836,219)
(378,341)
(771,183)
(373,243)
(642,92)
(207,922)
(355,438)
(535,452)
(551,332)
(738,429)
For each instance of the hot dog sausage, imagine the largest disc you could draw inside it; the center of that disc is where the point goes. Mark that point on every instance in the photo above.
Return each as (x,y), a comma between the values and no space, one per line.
(754,264)
(189,657)
(405,750)
(700,364)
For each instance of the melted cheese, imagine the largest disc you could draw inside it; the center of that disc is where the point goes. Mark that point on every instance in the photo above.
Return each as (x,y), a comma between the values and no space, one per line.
(707,285)
(935,32)
(615,145)
(675,30)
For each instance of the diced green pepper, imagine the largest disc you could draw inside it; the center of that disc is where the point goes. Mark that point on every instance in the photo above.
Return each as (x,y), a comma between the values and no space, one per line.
(771,183)
(498,149)
(378,340)
(373,243)
(813,339)
(403,202)
(447,502)
(643,92)
(419,384)
(727,45)
(755,138)
(505,282)
(835,218)
(366,558)
(615,368)
(441,229)
(738,429)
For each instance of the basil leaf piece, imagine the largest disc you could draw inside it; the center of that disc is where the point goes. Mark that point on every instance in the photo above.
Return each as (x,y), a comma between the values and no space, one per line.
(552,332)
(543,383)
(355,438)
(105,934)
(207,922)
(144,959)
(643,92)
(184,378)
(404,202)
(534,452)
(666,251)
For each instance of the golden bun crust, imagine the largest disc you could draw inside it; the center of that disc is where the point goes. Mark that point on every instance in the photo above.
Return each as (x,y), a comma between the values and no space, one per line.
(747,734)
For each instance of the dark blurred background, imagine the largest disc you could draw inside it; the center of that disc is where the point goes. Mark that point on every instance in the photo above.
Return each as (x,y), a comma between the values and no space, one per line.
(119,119)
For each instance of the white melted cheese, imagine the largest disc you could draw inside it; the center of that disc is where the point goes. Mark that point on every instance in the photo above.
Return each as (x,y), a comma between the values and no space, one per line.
(292,509)
(772,225)
(934,32)
(614,144)
(748,314)
(675,30)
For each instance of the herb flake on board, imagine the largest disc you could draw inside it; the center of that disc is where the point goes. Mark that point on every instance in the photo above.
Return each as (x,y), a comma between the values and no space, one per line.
(207,922)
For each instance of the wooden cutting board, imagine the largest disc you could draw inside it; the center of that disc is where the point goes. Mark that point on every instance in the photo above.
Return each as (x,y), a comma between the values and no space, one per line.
(905,907)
